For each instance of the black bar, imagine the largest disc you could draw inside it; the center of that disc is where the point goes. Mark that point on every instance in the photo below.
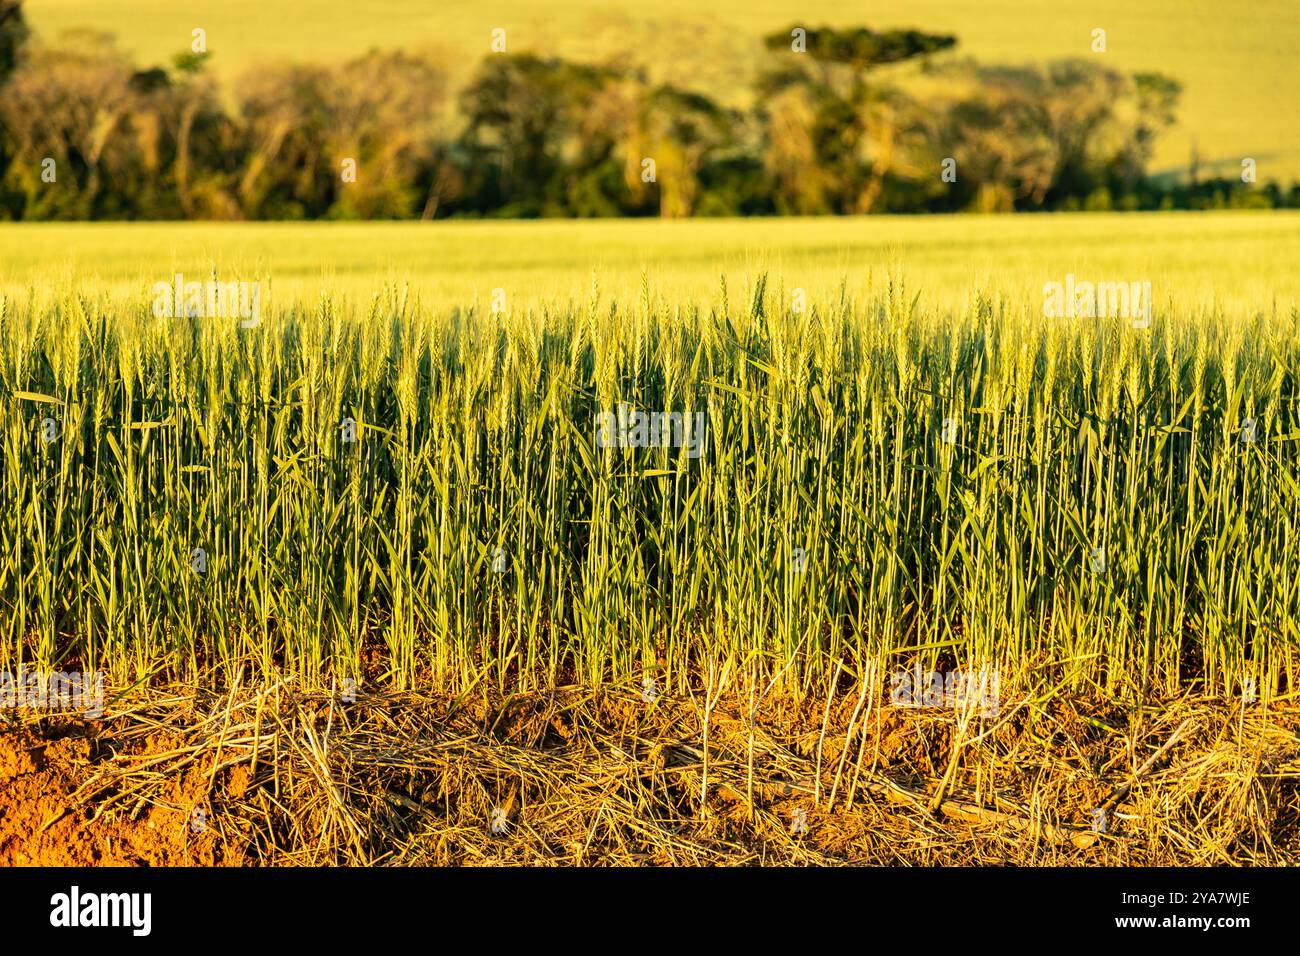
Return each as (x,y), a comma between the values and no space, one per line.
(649,907)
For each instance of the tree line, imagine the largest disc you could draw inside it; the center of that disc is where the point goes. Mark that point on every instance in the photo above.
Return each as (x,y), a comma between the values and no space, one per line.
(86,134)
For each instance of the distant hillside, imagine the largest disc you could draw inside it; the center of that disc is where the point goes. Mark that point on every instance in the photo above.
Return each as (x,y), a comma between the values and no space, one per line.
(1236,61)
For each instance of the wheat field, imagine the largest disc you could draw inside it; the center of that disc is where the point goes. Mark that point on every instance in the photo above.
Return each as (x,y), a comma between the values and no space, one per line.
(399,478)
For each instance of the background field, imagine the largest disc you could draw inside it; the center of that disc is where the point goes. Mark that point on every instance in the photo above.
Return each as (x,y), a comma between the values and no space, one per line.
(1235,60)
(1244,261)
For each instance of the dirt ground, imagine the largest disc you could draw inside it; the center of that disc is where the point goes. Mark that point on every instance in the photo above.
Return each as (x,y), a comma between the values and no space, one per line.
(42,823)
(577,776)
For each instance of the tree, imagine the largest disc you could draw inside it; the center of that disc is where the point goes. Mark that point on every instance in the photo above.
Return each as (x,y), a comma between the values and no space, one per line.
(285,115)
(388,112)
(68,106)
(523,141)
(1157,98)
(862,49)
(681,131)
(993,123)
(13,35)
(834,140)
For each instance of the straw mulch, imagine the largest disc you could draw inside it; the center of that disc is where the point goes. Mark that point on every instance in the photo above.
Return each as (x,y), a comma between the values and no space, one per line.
(583,776)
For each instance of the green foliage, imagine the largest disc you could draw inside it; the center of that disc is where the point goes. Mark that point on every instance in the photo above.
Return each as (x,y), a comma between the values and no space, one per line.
(861,48)
(189,62)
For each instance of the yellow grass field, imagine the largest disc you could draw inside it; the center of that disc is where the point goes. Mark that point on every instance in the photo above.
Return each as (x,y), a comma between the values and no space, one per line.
(1244,261)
